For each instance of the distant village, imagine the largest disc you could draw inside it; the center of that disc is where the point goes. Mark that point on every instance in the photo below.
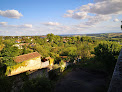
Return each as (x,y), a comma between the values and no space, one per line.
(26,59)
(34,60)
(30,53)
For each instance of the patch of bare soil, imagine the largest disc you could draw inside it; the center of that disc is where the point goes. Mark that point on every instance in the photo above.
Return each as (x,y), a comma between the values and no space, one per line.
(81,80)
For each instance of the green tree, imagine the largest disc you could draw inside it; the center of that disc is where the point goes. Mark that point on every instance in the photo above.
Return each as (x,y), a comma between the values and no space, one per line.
(11,51)
(86,38)
(105,53)
(8,52)
(50,37)
(26,50)
(83,50)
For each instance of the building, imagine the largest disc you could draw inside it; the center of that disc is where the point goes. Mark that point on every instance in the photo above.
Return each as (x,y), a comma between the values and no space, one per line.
(17,41)
(20,45)
(51,60)
(26,62)
(43,36)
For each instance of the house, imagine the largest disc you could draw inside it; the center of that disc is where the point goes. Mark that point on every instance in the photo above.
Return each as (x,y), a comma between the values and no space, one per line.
(43,36)
(20,45)
(32,44)
(26,62)
(17,41)
(51,60)
(63,57)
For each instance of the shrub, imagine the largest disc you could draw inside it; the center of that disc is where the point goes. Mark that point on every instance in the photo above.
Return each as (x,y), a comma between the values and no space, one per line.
(5,84)
(62,65)
(56,66)
(53,74)
(37,85)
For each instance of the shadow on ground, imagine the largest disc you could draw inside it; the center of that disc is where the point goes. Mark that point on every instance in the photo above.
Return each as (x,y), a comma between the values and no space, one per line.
(80,80)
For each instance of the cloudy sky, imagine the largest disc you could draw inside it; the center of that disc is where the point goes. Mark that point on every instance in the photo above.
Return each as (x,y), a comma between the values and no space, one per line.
(40,17)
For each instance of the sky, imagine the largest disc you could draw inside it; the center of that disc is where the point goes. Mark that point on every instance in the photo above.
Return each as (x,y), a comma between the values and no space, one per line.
(40,17)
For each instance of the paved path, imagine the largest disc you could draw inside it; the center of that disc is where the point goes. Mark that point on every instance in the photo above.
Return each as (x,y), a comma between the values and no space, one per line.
(82,81)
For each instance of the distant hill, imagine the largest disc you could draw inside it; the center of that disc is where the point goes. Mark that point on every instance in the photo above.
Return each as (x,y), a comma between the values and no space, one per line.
(95,34)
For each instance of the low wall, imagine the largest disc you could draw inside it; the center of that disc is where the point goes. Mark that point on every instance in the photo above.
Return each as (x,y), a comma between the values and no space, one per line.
(116,81)
(44,64)
(39,73)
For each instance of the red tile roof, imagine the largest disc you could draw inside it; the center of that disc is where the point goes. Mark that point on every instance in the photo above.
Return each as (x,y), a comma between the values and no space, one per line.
(48,58)
(18,41)
(25,57)
(63,56)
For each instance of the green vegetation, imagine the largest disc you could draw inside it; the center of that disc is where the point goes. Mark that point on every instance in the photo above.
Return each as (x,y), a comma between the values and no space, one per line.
(37,85)
(95,52)
(5,84)
(74,47)
(62,65)
(106,53)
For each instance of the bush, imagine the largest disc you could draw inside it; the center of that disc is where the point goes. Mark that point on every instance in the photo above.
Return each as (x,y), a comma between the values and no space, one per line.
(5,84)
(37,85)
(105,53)
(54,74)
(2,69)
(56,66)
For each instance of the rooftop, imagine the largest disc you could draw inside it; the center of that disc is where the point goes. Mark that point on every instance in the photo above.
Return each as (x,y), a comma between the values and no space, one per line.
(25,57)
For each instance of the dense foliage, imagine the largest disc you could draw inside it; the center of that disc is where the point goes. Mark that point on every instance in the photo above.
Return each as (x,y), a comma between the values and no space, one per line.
(5,84)
(55,46)
(38,85)
(106,53)
(95,52)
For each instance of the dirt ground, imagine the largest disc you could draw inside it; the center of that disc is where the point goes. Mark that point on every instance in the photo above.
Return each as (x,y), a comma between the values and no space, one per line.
(80,80)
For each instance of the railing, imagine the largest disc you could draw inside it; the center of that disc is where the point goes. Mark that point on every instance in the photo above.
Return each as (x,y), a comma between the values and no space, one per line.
(116,81)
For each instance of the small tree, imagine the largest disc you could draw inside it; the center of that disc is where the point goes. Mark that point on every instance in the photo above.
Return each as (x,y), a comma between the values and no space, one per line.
(62,65)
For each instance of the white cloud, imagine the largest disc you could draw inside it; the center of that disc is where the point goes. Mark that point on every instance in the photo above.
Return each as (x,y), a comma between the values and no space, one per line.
(82,25)
(95,13)
(51,24)
(104,7)
(3,23)
(70,11)
(97,19)
(116,20)
(68,15)
(25,26)
(11,14)
(79,15)
(101,7)
(99,0)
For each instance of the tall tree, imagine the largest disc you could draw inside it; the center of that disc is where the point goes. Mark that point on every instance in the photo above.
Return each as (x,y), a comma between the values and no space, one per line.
(105,53)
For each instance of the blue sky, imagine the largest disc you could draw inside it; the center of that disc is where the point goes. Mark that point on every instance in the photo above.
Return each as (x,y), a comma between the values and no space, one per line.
(40,17)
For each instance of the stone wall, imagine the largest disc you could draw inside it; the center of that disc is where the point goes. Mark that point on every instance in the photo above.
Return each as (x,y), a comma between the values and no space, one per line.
(32,64)
(39,73)
(116,81)
(44,64)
